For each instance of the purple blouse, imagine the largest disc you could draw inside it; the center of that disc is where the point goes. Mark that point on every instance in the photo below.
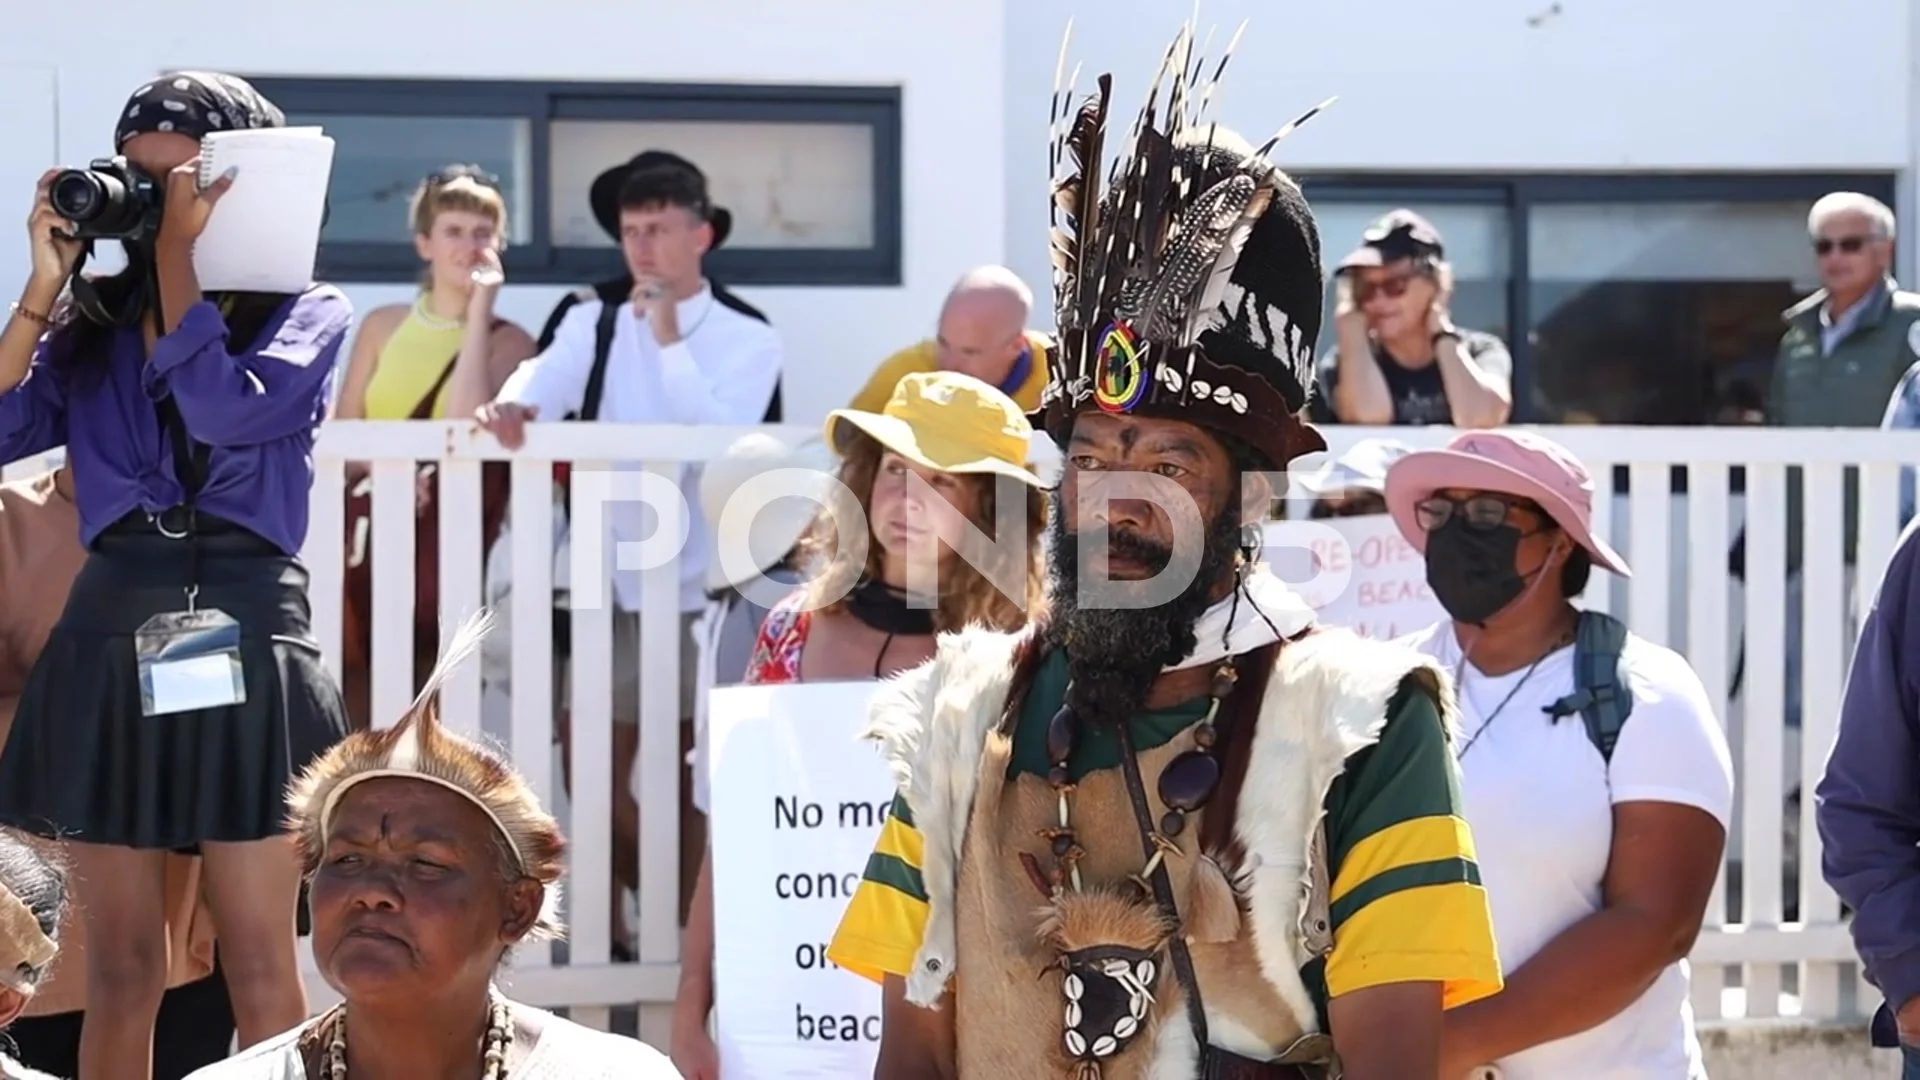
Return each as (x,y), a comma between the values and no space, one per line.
(257,411)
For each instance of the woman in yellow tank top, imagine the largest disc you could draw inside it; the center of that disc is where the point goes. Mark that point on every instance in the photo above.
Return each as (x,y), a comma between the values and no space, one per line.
(405,351)
(402,368)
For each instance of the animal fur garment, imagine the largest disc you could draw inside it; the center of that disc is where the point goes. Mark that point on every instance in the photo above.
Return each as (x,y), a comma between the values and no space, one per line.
(989,932)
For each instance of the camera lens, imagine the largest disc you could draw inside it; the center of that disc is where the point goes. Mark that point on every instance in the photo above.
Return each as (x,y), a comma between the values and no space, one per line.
(81,195)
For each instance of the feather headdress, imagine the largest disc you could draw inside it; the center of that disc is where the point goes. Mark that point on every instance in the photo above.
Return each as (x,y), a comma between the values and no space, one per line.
(420,747)
(1187,280)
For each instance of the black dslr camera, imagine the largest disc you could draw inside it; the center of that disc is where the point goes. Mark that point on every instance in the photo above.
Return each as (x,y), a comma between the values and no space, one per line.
(110,199)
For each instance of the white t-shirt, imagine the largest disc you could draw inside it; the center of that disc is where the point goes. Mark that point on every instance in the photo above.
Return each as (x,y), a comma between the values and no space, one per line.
(566,1051)
(1539,798)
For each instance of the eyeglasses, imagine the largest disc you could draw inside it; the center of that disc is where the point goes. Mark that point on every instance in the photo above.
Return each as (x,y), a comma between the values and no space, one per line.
(463,172)
(1481,513)
(1849,245)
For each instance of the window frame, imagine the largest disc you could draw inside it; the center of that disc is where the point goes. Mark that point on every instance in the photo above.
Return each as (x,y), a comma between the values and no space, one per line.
(540,104)
(1519,194)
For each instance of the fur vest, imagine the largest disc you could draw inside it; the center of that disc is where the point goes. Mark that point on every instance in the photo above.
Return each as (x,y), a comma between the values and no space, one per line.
(1327,699)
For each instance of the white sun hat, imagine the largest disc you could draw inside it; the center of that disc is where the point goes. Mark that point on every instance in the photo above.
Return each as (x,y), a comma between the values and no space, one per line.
(777,525)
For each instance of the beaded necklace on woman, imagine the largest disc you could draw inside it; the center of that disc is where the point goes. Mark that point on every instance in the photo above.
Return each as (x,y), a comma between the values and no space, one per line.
(495,1043)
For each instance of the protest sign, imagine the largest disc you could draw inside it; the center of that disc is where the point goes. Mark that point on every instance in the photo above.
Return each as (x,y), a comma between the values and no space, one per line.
(1363,574)
(797,803)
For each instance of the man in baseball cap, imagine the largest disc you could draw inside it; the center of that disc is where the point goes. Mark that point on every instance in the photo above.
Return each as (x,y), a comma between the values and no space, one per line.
(1399,358)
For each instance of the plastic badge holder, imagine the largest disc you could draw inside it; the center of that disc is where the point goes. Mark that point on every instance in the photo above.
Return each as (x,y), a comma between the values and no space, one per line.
(189,660)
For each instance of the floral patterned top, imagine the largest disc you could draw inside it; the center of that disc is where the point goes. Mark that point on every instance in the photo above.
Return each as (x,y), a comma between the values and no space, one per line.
(783,637)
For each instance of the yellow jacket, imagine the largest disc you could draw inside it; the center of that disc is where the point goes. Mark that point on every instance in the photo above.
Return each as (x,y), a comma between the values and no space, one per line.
(925,356)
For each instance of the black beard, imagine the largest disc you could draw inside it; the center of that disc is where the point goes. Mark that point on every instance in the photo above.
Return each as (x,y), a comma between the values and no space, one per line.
(1114,654)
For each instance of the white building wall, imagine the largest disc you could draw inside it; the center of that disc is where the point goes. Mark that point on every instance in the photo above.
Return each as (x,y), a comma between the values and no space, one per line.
(62,84)
(1496,85)
(1499,85)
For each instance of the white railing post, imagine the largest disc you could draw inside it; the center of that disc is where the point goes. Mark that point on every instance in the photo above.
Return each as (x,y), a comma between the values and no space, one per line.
(1708,537)
(1825,603)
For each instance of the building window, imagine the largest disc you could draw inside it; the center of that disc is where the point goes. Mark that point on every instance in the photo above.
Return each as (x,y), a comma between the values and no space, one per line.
(379,160)
(1661,312)
(811,174)
(1638,299)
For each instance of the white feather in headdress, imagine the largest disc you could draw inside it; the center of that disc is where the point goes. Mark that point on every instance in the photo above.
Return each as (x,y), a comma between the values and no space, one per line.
(421,748)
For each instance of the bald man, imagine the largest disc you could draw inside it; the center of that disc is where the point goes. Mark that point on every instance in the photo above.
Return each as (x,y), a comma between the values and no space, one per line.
(983,333)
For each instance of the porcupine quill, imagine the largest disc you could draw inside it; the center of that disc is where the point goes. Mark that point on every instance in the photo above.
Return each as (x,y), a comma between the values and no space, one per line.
(1267,147)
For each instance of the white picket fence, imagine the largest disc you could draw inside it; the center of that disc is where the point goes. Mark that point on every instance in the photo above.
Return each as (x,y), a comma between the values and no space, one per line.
(1750,962)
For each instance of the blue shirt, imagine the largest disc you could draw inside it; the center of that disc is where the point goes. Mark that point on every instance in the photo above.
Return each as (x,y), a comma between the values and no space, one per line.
(1903,414)
(1833,331)
(257,412)
(1868,803)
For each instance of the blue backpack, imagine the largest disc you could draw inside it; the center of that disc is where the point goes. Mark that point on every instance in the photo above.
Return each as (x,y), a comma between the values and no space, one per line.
(1598,696)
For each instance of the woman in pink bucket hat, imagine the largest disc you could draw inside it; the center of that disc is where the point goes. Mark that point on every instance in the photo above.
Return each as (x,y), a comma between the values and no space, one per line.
(1595,778)
(1499,470)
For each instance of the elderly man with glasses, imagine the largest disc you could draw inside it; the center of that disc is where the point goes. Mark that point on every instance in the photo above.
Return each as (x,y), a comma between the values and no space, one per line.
(1847,345)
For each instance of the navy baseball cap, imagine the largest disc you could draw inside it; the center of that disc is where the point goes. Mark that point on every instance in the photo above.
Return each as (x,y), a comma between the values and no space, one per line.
(1398,234)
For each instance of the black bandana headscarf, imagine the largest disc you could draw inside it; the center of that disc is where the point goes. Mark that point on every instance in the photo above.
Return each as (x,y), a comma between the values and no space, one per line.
(195,103)
(190,103)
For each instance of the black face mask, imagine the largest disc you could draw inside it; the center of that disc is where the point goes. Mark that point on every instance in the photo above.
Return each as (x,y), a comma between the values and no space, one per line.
(1472,571)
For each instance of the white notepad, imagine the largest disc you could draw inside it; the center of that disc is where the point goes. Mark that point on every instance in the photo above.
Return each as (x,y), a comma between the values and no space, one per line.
(265,233)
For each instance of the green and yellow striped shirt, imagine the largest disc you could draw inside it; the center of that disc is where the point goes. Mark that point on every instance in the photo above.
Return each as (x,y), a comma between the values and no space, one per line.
(1406,903)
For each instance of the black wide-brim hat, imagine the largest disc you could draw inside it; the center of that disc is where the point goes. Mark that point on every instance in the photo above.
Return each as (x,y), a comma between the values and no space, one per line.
(1195,292)
(604,195)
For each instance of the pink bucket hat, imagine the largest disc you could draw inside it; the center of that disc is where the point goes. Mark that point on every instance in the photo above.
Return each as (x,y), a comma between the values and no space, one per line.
(1509,461)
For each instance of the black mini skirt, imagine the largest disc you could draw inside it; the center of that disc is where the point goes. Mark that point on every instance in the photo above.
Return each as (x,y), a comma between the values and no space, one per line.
(83,764)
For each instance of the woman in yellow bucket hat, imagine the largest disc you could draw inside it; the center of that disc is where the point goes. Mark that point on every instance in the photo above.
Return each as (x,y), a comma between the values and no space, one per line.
(944,436)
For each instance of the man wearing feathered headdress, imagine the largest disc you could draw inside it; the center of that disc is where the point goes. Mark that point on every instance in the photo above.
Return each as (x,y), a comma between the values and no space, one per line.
(1171,836)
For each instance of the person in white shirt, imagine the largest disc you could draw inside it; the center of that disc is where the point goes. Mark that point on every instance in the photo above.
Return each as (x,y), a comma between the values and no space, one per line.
(1598,846)
(680,353)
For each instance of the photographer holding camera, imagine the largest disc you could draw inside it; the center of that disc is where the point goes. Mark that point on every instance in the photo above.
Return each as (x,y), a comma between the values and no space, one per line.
(182,687)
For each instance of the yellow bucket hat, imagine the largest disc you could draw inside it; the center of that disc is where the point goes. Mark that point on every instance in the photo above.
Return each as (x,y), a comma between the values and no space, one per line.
(948,422)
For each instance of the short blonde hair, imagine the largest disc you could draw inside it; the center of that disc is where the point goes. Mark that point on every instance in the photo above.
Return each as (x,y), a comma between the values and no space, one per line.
(461,187)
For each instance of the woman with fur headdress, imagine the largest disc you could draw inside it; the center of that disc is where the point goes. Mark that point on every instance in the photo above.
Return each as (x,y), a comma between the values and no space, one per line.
(429,859)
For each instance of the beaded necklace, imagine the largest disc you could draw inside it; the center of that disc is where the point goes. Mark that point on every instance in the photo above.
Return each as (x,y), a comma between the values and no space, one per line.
(434,322)
(498,1038)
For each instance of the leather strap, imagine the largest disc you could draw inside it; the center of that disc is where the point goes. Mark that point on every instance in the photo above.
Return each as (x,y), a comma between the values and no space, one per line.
(1163,889)
(423,409)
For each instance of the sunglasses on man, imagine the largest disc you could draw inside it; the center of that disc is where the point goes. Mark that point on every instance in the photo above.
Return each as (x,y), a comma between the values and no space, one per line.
(1847,245)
